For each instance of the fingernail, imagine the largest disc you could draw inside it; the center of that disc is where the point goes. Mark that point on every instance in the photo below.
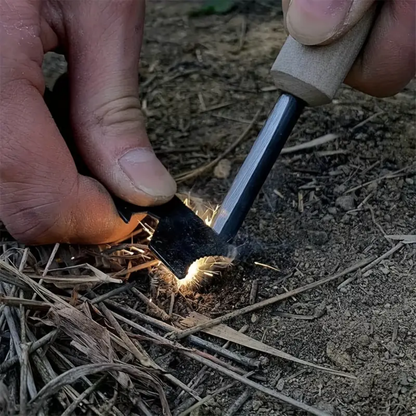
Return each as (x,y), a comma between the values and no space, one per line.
(312,22)
(147,174)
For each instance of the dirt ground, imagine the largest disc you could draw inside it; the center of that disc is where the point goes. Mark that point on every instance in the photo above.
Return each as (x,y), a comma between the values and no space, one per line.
(202,81)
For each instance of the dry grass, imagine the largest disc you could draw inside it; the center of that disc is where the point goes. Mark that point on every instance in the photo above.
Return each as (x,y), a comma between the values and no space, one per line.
(72,351)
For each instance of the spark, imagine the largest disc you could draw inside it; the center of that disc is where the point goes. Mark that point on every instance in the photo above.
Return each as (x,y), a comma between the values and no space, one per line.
(140,250)
(199,270)
(205,267)
(147,228)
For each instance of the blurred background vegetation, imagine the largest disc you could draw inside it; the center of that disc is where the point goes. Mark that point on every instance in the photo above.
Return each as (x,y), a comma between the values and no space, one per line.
(214,7)
(208,7)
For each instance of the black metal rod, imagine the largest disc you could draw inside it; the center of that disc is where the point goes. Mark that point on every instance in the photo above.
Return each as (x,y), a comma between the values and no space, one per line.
(257,166)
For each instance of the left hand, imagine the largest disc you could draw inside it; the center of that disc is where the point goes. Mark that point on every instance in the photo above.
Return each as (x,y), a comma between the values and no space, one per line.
(43,198)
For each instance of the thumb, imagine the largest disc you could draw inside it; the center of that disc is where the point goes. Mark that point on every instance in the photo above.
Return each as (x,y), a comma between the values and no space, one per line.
(319,22)
(108,124)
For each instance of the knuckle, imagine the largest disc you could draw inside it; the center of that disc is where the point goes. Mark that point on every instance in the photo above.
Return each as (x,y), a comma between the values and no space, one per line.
(124,112)
(108,10)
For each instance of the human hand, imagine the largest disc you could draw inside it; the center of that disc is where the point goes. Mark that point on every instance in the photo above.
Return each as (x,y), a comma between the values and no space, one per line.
(43,199)
(387,62)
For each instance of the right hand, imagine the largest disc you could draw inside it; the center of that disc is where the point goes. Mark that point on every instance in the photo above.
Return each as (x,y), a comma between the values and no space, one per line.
(387,62)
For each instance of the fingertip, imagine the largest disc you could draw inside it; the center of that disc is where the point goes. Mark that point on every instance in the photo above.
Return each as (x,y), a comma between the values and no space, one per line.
(320,22)
(312,22)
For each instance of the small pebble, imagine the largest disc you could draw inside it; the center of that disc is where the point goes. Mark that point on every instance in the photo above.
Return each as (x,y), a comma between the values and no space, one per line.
(403,380)
(345,202)
(362,356)
(264,361)
(329,408)
(223,169)
(363,386)
(372,186)
(339,189)
(336,355)
(280,384)
(392,347)
(346,219)
(257,404)
(318,238)
(364,340)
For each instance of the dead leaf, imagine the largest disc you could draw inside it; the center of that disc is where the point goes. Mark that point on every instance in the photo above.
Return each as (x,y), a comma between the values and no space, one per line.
(88,336)
(405,239)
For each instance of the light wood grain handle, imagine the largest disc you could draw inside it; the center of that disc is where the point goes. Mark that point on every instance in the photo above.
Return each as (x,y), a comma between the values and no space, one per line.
(314,73)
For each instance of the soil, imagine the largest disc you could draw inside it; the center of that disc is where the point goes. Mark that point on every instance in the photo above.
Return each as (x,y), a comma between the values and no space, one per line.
(202,81)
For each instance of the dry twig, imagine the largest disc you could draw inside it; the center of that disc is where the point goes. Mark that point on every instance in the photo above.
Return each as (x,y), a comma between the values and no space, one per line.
(236,406)
(259,387)
(384,256)
(168,328)
(137,268)
(7,365)
(156,311)
(253,292)
(388,176)
(206,399)
(310,144)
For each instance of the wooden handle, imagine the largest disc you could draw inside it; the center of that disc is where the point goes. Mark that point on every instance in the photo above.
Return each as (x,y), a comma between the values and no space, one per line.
(314,73)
